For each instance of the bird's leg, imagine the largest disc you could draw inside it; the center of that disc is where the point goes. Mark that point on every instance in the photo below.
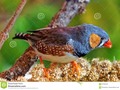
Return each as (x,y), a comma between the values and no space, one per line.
(75,66)
(45,70)
(41,60)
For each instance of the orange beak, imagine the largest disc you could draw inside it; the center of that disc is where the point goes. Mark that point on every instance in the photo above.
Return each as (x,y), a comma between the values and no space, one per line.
(108,44)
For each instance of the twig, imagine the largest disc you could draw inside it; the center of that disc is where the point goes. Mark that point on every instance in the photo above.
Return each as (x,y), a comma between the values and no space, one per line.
(62,18)
(5,33)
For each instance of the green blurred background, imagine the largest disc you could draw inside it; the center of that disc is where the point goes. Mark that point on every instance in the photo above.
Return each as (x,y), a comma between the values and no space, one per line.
(38,13)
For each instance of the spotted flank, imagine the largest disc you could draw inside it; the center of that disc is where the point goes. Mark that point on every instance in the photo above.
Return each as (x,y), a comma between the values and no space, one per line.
(55,50)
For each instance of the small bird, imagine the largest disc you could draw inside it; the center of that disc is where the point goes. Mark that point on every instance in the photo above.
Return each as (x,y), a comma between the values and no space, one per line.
(66,44)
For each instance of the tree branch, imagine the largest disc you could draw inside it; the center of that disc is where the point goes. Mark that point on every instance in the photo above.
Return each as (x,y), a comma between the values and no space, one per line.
(69,9)
(97,70)
(5,33)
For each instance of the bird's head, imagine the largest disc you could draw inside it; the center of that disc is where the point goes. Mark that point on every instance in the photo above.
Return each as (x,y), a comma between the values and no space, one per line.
(97,36)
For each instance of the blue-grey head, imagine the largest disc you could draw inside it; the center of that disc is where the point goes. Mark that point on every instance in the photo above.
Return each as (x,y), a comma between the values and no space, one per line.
(97,36)
(90,37)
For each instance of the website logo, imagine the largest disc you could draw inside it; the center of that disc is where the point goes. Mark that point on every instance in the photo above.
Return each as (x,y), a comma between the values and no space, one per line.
(3,85)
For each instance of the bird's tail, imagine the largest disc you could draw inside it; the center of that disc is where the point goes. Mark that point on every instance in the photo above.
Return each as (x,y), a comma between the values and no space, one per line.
(21,36)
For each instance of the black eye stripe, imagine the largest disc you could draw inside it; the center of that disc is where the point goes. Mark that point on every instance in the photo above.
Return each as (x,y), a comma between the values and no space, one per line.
(100,42)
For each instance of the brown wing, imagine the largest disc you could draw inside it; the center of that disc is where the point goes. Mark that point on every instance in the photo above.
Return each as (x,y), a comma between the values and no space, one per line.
(52,41)
(56,36)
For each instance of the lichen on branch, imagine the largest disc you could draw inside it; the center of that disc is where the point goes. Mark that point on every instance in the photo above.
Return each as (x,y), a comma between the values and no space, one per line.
(97,70)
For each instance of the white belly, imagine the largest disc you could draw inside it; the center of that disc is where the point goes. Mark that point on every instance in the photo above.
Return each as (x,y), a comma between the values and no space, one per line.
(59,59)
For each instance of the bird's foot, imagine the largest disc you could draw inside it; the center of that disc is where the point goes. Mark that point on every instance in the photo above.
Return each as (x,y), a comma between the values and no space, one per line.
(76,67)
(46,72)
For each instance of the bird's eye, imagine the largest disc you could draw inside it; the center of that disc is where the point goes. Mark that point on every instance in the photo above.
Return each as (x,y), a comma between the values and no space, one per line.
(102,38)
